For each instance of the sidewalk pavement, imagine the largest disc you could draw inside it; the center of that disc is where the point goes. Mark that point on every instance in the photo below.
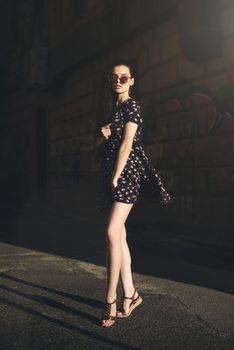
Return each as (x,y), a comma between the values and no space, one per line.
(53,281)
(53,287)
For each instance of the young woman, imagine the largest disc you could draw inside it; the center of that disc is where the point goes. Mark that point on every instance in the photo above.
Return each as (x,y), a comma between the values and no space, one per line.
(124,169)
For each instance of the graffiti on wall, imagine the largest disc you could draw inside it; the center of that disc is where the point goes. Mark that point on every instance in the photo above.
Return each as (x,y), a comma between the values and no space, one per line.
(179,130)
(194,111)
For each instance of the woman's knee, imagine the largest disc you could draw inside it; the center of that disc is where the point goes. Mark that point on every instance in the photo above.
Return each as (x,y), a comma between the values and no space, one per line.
(113,234)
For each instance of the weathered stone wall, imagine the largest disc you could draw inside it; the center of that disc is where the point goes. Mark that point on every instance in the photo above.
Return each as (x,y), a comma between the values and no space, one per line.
(189,123)
(188,108)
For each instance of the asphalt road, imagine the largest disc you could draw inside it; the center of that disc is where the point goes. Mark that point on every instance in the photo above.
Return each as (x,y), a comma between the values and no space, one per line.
(53,280)
(52,301)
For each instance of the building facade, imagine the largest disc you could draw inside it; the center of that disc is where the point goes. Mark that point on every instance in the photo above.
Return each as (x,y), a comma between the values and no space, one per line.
(56,58)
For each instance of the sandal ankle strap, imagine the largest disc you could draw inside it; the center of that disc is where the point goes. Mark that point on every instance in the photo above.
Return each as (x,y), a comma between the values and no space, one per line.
(132,298)
(111,302)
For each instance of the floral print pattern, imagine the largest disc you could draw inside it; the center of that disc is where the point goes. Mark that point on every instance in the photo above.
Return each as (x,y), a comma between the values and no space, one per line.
(138,177)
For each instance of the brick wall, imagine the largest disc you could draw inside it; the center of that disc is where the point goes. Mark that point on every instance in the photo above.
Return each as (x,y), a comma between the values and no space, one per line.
(189,118)
(188,108)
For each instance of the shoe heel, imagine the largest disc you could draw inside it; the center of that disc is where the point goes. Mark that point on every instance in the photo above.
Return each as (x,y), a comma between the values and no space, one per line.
(135,303)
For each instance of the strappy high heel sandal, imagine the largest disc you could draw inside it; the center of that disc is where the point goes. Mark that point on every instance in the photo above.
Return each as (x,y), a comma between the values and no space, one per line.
(107,316)
(135,302)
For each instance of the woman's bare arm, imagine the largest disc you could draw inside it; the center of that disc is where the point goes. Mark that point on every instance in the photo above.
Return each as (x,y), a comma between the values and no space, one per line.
(125,149)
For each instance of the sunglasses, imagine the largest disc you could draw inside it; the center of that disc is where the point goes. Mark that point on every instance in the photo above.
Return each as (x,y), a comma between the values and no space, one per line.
(114,79)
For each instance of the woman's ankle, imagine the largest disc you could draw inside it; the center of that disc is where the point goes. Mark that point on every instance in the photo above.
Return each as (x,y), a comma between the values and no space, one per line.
(129,291)
(110,298)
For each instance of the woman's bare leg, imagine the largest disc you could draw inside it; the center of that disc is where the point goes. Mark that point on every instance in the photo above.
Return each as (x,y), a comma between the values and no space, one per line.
(125,271)
(118,215)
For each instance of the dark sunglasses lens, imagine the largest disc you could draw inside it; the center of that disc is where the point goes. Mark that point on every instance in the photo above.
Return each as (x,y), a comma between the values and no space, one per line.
(114,79)
(123,80)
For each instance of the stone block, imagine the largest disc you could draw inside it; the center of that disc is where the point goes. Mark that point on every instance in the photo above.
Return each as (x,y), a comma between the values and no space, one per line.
(201,152)
(81,86)
(132,16)
(221,180)
(192,123)
(76,79)
(52,149)
(147,39)
(221,208)
(173,105)
(54,132)
(200,181)
(198,99)
(150,130)
(147,82)
(222,123)
(167,126)
(162,128)
(158,108)
(176,154)
(143,61)
(173,125)
(73,90)
(172,180)
(186,181)
(223,150)
(87,104)
(166,29)
(214,82)
(53,165)
(55,148)
(56,113)
(154,53)
(146,100)
(66,129)
(189,70)
(213,151)
(156,152)
(100,64)
(132,48)
(227,58)
(183,152)
(90,123)
(114,54)
(205,208)
(166,75)
(171,47)
(68,145)
(202,111)
(187,208)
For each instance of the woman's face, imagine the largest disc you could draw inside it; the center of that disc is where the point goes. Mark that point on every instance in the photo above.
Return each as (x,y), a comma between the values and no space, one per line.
(120,79)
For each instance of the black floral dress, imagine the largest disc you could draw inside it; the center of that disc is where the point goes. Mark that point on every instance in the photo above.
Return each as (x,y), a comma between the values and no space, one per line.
(138,177)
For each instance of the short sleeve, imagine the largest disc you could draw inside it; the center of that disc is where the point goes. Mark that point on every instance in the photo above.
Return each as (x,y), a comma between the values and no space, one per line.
(133,112)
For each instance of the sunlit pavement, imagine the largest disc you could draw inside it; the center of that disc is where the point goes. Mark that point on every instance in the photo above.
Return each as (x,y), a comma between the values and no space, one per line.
(55,300)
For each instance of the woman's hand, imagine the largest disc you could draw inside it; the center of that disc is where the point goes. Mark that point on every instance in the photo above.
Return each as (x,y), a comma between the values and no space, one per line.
(106,131)
(114,182)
